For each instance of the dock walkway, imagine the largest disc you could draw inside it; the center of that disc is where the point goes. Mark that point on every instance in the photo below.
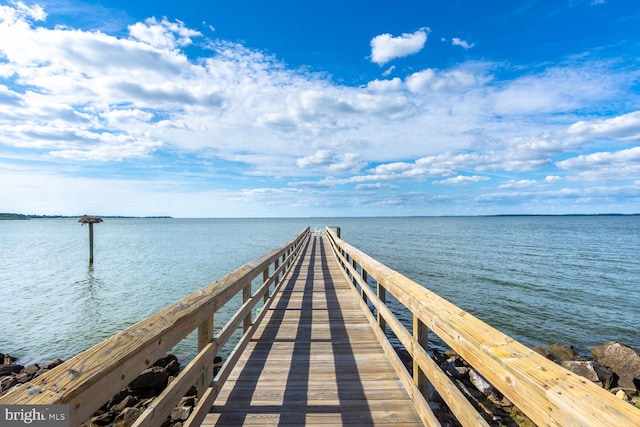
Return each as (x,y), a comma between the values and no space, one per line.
(315,359)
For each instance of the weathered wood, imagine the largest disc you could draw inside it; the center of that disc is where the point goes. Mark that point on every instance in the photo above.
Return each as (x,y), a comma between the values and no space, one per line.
(543,390)
(420,335)
(205,337)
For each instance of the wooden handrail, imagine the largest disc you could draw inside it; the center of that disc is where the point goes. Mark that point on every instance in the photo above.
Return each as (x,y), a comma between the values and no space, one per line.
(88,380)
(546,392)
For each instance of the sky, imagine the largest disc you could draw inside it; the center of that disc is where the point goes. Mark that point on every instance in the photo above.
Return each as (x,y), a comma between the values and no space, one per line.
(313,109)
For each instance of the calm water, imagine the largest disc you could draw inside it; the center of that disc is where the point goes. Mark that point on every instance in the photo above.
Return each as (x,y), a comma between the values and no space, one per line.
(538,279)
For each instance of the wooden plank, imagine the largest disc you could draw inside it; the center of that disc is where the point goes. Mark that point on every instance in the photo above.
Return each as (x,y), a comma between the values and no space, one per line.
(314,359)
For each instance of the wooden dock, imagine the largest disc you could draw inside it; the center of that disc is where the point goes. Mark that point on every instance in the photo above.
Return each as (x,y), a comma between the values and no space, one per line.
(315,360)
(315,351)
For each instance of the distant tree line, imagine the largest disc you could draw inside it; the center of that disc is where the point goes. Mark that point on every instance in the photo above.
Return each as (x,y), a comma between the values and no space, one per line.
(7,216)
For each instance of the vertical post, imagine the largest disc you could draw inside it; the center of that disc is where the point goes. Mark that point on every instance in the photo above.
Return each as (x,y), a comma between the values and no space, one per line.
(382,295)
(91,243)
(85,219)
(338,232)
(365,280)
(265,277)
(205,336)
(355,268)
(246,294)
(420,334)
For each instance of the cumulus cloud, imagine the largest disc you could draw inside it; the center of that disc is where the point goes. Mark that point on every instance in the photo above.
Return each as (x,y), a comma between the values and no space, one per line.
(625,127)
(604,166)
(163,34)
(386,47)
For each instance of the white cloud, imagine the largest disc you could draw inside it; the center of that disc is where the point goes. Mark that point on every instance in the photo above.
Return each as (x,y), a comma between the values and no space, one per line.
(385,47)
(462,180)
(163,34)
(625,127)
(603,167)
(462,43)
(557,89)
(74,99)
(331,161)
(522,183)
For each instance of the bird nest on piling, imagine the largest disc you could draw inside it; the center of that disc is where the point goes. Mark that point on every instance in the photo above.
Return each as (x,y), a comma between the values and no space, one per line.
(89,219)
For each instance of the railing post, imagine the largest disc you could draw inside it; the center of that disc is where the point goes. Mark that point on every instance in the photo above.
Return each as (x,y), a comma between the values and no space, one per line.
(246,294)
(382,296)
(365,280)
(420,334)
(265,277)
(205,336)
(353,277)
(276,266)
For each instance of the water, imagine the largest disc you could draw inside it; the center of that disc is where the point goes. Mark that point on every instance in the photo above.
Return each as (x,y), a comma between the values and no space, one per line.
(538,279)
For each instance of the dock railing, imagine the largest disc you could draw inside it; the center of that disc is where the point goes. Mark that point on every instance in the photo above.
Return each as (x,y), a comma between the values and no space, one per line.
(544,391)
(88,380)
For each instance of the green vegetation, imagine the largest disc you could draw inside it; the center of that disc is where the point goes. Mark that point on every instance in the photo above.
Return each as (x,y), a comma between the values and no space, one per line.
(8,216)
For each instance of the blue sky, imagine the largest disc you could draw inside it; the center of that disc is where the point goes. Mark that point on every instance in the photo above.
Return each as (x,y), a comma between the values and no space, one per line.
(288,108)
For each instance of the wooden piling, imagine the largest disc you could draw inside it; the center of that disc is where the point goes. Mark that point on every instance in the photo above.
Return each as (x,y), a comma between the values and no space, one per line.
(90,220)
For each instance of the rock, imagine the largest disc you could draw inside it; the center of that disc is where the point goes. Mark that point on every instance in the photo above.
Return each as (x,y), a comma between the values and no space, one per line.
(623,360)
(558,352)
(593,371)
(173,368)
(544,351)
(480,383)
(457,372)
(102,419)
(9,369)
(6,383)
(127,402)
(119,397)
(180,413)
(41,371)
(622,395)
(32,369)
(193,391)
(23,377)
(155,377)
(170,363)
(217,364)
(188,401)
(52,363)
(6,359)
(563,352)
(127,417)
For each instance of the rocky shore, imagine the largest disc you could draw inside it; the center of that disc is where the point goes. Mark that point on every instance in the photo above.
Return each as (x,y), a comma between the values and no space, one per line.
(613,366)
(128,404)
